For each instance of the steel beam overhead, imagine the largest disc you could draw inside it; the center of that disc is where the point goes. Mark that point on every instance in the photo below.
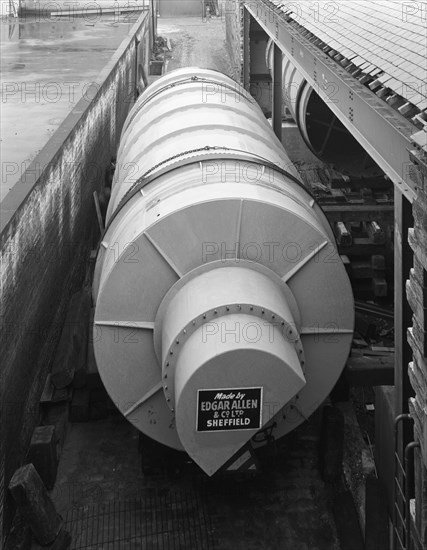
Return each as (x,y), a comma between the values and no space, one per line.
(384,133)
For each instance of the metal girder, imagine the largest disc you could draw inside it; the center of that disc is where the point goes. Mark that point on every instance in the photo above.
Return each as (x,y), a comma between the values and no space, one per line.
(384,133)
(370,371)
(277,92)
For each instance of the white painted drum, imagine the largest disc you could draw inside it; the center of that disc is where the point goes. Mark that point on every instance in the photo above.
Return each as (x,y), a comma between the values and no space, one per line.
(217,276)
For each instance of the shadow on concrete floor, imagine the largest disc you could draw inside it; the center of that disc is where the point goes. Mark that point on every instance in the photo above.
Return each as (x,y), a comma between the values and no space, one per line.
(108,503)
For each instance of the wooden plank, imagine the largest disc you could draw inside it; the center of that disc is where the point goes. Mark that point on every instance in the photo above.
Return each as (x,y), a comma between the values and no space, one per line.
(362,246)
(359,213)
(42,454)
(57,415)
(343,234)
(375,232)
(34,504)
(379,287)
(361,269)
(370,371)
(378,262)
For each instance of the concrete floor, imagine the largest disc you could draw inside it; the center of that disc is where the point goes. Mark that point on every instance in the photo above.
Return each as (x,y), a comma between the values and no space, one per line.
(106,501)
(46,67)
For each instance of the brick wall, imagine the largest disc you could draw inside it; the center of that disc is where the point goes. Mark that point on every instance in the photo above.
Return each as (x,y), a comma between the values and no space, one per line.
(45,240)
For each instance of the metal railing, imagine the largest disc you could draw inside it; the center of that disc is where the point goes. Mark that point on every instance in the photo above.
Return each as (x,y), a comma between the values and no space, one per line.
(405,533)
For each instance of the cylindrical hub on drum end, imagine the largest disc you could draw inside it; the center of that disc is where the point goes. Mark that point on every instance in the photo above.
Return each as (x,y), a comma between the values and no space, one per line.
(242,340)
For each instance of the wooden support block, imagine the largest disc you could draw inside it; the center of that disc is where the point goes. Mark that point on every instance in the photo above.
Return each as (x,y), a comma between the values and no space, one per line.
(20,536)
(331,444)
(343,235)
(361,269)
(62,542)
(370,371)
(61,394)
(365,212)
(379,286)
(361,247)
(338,195)
(42,454)
(48,390)
(80,404)
(366,193)
(347,522)
(57,415)
(375,232)
(34,504)
(378,262)
(382,350)
(53,395)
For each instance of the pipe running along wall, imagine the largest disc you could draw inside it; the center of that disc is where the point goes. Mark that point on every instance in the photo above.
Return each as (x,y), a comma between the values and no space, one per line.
(323,133)
(222,306)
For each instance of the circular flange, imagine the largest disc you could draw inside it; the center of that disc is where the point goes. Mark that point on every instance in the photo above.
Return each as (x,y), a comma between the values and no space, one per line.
(269,318)
(204,268)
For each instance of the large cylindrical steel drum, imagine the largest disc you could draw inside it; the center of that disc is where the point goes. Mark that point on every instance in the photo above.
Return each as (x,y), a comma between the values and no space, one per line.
(222,306)
(323,133)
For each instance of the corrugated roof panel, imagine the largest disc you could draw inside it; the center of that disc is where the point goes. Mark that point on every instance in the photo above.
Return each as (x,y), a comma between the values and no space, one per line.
(385,34)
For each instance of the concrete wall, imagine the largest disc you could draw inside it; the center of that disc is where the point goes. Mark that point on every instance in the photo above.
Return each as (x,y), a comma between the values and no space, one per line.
(46,7)
(233,14)
(180,8)
(45,240)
